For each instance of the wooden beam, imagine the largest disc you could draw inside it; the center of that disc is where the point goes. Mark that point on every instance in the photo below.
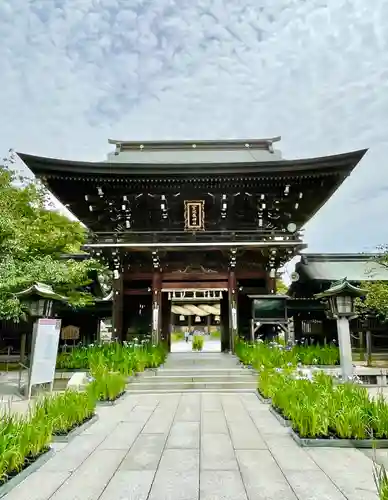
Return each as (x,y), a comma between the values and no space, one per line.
(139,291)
(194,285)
(195,276)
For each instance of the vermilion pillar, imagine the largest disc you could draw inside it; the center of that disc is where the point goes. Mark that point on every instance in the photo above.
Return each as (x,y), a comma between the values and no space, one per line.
(156,306)
(232,297)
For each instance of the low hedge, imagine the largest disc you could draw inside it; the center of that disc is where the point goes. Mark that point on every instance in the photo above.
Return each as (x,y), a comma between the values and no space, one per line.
(319,408)
(127,358)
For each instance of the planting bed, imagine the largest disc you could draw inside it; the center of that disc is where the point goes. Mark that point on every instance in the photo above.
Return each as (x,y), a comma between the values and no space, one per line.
(111,402)
(30,465)
(264,400)
(283,421)
(333,442)
(75,431)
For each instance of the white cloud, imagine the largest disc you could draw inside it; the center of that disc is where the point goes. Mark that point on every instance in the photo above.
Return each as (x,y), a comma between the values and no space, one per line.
(75,72)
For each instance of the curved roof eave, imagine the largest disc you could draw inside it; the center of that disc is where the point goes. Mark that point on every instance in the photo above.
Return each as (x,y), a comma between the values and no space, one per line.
(45,166)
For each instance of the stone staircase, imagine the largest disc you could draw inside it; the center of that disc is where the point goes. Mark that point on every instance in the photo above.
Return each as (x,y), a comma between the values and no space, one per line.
(196,372)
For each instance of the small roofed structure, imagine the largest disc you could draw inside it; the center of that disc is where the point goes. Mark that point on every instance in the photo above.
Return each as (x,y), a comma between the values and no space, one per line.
(317,276)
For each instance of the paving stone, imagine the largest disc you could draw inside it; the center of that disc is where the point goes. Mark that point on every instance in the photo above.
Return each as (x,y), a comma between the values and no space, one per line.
(122,437)
(217,453)
(189,410)
(184,435)
(88,482)
(103,426)
(292,457)
(169,485)
(213,422)
(349,469)
(160,421)
(129,485)
(221,485)
(38,486)
(262,477)
(145,453)
(313,485)
(73,455)
(211,402)
(246,437)
(138,414)
(179,460)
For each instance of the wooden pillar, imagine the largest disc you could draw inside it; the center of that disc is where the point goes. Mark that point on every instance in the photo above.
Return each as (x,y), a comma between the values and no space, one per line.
(165,319)
(117,307)
(232,298)
(225,338)
(271,281)
(156,306)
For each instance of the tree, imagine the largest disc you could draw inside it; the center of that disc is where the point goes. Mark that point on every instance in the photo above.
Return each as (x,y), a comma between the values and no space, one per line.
(376,298)
(32,240)
(281,287)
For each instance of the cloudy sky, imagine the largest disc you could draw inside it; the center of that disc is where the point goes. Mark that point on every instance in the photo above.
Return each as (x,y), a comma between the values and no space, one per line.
(75,72)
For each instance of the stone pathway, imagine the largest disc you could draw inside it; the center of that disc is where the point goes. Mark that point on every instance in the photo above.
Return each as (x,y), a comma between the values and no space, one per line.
(195,446)
(209,345)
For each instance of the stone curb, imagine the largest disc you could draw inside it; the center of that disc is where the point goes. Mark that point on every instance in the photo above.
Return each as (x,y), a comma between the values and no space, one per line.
(112,403)
(75,432)
(266,401)
(339,443)
(283,421)
(12,483)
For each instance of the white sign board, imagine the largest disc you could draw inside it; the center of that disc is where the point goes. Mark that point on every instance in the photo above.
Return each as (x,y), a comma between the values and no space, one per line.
(44,352)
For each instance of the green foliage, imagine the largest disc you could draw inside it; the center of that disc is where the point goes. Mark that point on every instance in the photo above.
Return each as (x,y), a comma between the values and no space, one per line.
(272,354)
(32,239)
(198,341)
(316,405)
(376,299)
(21,441)
(381,481)
(24,438)
(127,358)
(281,287)
(64,411)
(106,385)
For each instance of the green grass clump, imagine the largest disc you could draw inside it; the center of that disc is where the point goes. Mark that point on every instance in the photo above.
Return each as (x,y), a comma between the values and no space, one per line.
(106,385)
(381,481)
(127,358)
(65,411)
(22,440)
(273,354)
(198,342)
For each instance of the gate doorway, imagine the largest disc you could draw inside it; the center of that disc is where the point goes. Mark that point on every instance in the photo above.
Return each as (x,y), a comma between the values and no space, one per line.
(195,319)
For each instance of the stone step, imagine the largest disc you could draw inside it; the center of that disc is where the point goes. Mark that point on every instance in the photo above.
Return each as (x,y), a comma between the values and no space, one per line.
(162,379)
(195,372)
(191,391)
(180,386)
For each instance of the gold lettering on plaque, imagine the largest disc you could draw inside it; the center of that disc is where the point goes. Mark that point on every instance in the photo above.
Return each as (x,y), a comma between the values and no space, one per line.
(194,215)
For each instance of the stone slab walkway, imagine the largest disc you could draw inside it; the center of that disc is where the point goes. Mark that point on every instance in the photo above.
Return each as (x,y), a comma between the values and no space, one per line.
(195,446)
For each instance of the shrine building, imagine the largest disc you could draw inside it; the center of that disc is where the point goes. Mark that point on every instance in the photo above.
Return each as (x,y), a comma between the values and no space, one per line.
(193,230)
